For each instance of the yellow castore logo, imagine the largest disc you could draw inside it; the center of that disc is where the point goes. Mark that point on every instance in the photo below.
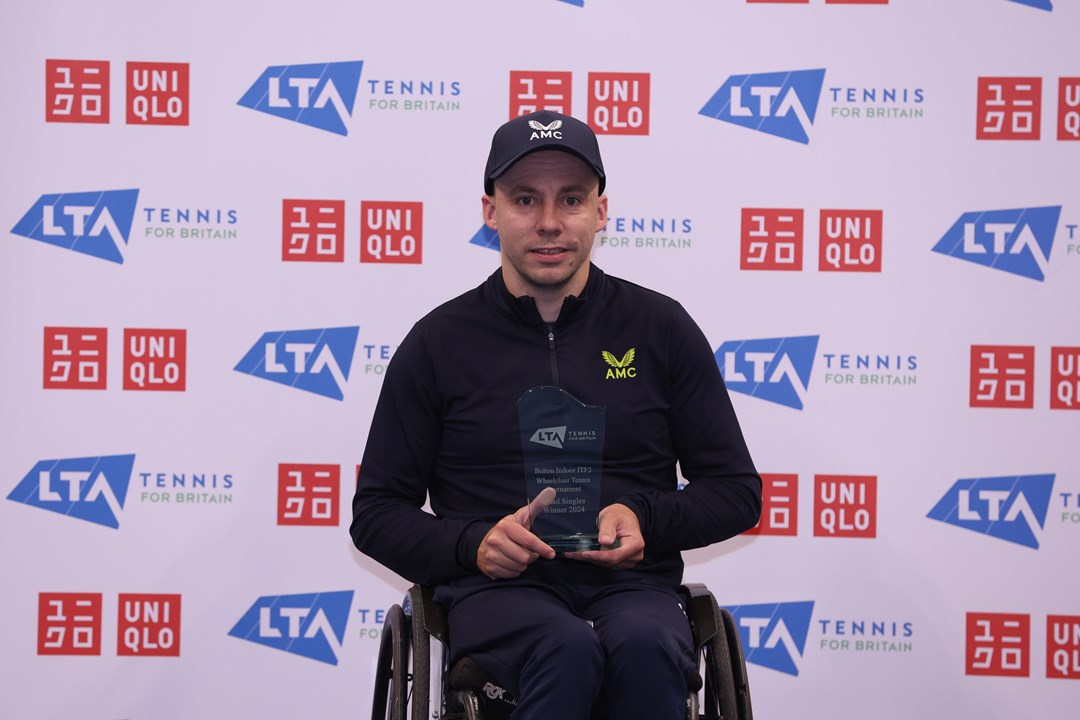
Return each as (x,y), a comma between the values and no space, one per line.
(619,369)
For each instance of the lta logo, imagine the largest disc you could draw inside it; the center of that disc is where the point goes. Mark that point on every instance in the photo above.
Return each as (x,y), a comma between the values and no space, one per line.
(775,369)
(321,95)
(1014,241)
(1008,508)
(774,635)
(92,223)
(91,488)
(781,103)
(310,625)
(317,361)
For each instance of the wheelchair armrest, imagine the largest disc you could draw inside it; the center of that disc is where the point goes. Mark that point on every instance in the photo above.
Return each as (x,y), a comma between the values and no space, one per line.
(420,605)
(701,611)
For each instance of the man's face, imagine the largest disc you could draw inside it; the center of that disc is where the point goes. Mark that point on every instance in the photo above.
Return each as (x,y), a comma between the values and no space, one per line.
(547,213)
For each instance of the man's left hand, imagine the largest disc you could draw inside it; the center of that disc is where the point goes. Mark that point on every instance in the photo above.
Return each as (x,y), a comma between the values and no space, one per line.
(617,523)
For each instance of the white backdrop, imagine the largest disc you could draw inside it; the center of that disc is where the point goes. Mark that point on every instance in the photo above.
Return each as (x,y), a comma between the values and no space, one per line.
(911,596)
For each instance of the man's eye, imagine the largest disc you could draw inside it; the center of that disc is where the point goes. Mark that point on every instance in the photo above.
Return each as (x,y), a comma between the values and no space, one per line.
(525,200)
(572,201)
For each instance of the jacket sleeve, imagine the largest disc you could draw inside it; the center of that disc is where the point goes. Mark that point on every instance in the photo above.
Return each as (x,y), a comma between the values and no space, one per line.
(722,497)
(389,522)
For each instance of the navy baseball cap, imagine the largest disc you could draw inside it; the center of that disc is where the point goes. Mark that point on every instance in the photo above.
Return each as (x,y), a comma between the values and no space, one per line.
(542,130)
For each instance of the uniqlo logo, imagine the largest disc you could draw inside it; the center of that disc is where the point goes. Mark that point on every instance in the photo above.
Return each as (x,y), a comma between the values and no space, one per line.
(69,624)
(313,230)
(308,494)
(1009,108)
(148,625)
(998,644)
(77,91)
(845,506)
(1063,647)
(1002,376)
(772,239)
(157,93)
(1065,378)
(155,359)
(1068,108)
(850,241)
(779,506)
(619,103)
(391,232)
(531,91)
(75,358)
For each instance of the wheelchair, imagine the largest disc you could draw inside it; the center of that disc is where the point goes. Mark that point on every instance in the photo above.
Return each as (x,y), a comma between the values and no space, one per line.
(413,677)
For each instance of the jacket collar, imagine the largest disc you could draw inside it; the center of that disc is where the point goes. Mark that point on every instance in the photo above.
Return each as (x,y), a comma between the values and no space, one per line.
(523,309)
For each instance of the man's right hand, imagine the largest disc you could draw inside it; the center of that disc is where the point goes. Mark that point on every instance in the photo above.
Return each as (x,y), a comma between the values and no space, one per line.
(510,546)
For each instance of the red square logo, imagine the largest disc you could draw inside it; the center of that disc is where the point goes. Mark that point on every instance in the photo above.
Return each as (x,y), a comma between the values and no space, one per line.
(1002,376)
(1010,108)
(313,230)
(75,358)
(308,494)
(850,241)
(619,103)
(845,506)
(391,232)
(69,624)
(998,644)
(531,91)
(1065,378)
(155,359)
(771,239)
(148,625)
(779,506)
(77,91)
(1063,647)
(1068,108)
(157,93)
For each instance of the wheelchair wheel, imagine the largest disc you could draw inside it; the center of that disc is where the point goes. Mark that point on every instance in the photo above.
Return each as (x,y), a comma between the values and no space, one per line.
(392,672)
(721,700)
(738,668)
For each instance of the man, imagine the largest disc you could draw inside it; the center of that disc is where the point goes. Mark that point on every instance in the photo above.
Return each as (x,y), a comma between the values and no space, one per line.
(558,631)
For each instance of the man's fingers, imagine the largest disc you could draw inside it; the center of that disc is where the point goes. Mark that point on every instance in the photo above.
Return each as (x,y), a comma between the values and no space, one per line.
(524,538)
(537,505)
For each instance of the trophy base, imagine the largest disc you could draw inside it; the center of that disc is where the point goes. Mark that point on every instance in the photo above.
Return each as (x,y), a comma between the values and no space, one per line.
(579,542)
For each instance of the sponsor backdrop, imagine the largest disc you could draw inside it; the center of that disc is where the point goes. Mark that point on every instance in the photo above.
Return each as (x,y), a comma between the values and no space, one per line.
(221,218)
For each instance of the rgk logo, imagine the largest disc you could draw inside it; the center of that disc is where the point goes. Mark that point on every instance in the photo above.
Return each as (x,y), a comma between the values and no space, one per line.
(1008,508)
(391,232)
(77,91)
(92,223)
(779,506)
(1065,378)
(308,494)
(321,95)
(845,506)
(157,93)
(782,103)
(619,103)
(1002,376)
(1063,647)
(75,358)
(69,624)
(316,361)
(148,625)
(1014,241)
(849,240)
(775,369)
(92,488)
(998,644)
(155,359)
(311,625)
(1010,108)
(774,635)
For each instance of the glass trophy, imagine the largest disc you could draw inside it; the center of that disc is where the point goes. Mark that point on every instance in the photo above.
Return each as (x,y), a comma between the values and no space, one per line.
(562,443)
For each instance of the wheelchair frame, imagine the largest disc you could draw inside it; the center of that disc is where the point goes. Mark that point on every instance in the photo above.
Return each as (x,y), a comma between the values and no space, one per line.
(404,680)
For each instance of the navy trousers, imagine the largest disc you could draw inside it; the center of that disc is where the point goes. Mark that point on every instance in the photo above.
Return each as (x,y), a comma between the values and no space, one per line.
(558,649)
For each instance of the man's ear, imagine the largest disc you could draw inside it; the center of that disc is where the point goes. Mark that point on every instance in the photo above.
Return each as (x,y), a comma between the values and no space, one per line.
(487,203)
(601,213)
